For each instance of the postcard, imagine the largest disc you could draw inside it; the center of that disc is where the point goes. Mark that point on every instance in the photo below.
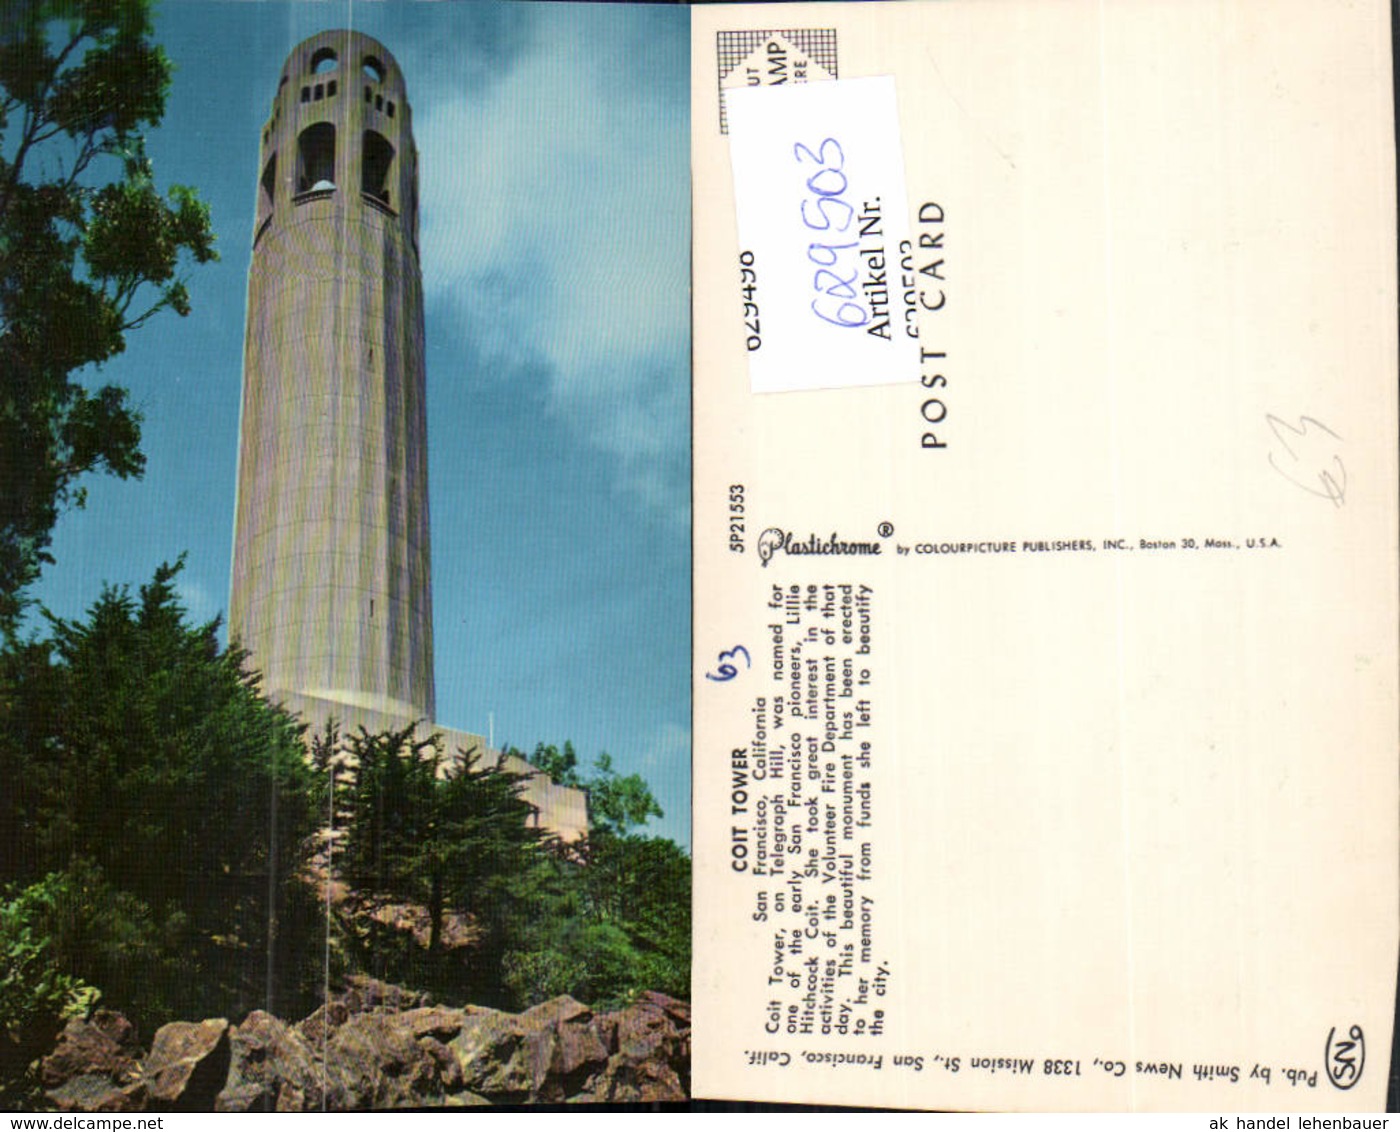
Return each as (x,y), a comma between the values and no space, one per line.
(1045,555)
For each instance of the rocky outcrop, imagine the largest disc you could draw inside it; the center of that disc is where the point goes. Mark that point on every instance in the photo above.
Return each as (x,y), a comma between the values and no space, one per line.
(373,1061)
(546,1054)
(376,1046)
(411,920)
(187,1066)
(272,1068)
(93,1066)
(650,1041)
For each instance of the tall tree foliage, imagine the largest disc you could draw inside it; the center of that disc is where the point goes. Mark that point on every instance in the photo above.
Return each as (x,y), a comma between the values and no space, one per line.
(151,768)
(89,250)
(616,803)
(632,892)
(447,833)
(601,920)
(642,885)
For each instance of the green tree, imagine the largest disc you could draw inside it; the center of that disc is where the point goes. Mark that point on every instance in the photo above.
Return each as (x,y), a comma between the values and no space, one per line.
(615,922)
(445,834)
(89,250)
(560,763)
(36,994)
(616,803)
(387,804)
(155,770)
(632,895)
(601,921)
(642,885)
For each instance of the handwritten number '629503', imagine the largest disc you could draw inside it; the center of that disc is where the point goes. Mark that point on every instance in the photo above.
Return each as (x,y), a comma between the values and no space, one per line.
(827,211)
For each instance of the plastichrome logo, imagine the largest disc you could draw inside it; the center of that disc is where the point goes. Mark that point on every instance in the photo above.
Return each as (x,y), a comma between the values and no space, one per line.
(775,539)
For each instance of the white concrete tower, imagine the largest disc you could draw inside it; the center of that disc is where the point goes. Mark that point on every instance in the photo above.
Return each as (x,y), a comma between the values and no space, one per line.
(331,588)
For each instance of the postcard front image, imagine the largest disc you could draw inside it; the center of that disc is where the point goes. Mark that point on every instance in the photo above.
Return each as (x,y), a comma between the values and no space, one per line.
(355,751)
(1044,533)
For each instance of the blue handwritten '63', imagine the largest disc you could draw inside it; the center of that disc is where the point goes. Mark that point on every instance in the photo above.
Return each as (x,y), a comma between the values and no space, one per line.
(827,211)
(727,671)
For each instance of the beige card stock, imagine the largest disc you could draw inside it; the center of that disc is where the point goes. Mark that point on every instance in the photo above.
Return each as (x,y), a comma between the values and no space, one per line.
(1046,699)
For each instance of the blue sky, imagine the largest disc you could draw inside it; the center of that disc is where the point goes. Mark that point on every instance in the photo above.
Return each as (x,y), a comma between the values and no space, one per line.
(555,235)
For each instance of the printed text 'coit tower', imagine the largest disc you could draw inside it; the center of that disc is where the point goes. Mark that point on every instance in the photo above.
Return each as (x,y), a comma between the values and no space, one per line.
(331,584)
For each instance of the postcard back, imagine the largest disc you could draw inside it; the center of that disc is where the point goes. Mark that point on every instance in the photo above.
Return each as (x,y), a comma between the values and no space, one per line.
(1045,554)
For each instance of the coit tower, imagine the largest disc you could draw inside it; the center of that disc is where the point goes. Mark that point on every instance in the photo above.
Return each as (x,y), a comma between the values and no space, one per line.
(331,587)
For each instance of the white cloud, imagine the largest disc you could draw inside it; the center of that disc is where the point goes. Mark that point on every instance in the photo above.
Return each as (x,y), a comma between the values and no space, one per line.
(556,227)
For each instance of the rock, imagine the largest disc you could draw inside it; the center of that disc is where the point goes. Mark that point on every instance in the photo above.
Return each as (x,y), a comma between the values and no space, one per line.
(650,1040)
(561,1008)
(321,1023)
(490,1051)
(439,1022)
(93,1066)
(542,1055)
(648,1028)
(361,995)
(449,1071)
(377,1046)
(364,993)
(414,921)
(373,1062)
(103,1047)
(465,1100)
(95,1092)
(243,1098)
(627,1080)
(578,1048)
(272,1068)
(674,1008)
(116,1026)
(187,1066)
(606,1027)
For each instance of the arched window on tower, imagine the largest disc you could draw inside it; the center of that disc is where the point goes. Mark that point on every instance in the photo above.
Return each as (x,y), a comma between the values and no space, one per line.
(376,175)
(324,60)
(316,158)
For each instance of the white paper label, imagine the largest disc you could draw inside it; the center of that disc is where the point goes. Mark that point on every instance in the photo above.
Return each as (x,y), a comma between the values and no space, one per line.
(823,223)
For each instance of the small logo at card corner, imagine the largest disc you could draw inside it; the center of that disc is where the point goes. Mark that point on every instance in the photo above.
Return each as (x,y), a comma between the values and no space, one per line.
(1345,1056)
(773,58)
